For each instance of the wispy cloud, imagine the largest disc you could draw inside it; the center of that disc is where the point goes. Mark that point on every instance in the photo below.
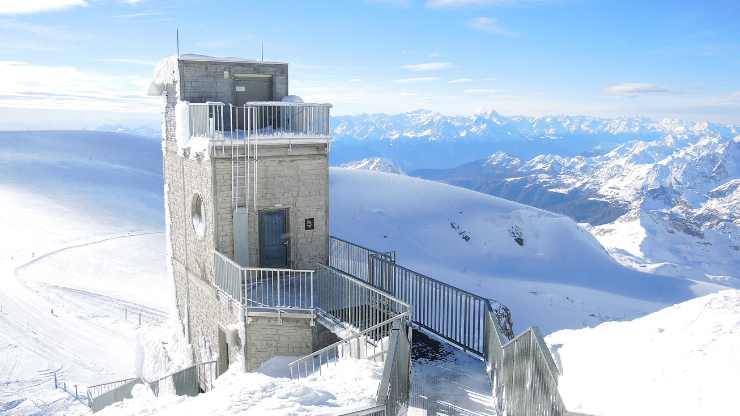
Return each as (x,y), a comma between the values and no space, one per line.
(428,66)
(26,85)
(482,91)
(490,25)
(415,79)
(37,6)
(138,14)
(460,81)
(634,89)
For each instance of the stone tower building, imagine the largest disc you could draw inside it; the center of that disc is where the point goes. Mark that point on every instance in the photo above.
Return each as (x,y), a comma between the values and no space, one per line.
(246,181)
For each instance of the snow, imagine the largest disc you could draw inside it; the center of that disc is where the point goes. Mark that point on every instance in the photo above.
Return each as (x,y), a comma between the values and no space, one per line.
(561,277)
(682,360)
(166,72)
(378,164)
(350,385)
(83,233)
(82,221)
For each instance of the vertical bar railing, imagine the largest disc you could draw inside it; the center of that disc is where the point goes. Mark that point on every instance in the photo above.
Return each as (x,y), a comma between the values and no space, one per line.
(278,288)
(286,119)
(523,373)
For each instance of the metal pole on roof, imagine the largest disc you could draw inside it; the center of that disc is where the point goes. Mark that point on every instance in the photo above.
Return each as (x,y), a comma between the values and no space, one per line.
(262,51)
(178,42)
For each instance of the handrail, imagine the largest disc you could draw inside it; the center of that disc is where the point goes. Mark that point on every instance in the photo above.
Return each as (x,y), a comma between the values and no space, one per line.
(347,341)
(367,285)
(516,367)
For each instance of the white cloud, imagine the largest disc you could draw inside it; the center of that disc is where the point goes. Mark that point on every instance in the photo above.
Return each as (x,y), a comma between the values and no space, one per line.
(36,6)
(428,66)
(482,91)
(416,79)
(460,81)
(633,89)
(407,94)
(26,85)
(490,25)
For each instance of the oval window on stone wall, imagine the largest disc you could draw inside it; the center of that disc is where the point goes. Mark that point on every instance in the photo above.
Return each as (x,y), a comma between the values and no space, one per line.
(198,216)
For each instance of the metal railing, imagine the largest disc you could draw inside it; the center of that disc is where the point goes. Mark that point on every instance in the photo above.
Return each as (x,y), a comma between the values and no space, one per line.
(395,384)
(352,302)
(102,395)
(207,120)
(188,381)
(264,288)
(371,344)
(394,387)
(268,119)
(279,288)
(523,373)
(229,276)
(448,312)
(353,258)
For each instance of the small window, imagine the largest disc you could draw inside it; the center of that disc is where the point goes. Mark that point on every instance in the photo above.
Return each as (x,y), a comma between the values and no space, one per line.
(198,216)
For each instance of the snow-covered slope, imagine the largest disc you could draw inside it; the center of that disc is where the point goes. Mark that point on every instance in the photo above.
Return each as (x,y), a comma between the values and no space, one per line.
(378,164)
(547,269)
(82,234)
(682,360)
(669,205)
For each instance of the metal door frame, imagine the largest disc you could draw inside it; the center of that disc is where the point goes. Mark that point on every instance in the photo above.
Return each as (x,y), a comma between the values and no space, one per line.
(286,213)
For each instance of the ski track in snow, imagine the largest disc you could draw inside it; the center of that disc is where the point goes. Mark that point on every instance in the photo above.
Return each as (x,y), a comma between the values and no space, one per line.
(97,240)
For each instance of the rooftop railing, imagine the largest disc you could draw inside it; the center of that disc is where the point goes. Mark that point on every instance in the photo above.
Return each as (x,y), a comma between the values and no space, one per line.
(259,120)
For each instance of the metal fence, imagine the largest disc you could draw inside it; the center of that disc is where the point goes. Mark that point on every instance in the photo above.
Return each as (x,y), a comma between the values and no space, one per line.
(263,287)
(279,288)
(353,258)
(352,302)
(189,381)
(207,120)
(269,119)
(229,276)
(102,395)
(371,344)
(448,312)
(394,387)
(523,373)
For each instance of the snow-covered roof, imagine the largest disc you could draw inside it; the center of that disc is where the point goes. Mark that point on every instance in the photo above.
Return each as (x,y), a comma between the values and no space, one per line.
(191,57)
(166,71)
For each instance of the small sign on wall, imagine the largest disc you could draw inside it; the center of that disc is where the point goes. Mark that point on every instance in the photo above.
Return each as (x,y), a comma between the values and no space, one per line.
(309,223)
(241,88)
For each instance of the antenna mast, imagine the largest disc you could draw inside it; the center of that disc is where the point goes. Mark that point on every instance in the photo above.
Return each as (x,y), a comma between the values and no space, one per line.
(178,42)
(262,51)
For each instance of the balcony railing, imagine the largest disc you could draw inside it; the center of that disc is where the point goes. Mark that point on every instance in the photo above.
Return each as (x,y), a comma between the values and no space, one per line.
(255,120)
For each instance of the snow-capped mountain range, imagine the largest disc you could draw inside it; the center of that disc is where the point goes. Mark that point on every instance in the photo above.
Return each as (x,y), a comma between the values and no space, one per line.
(671,205)
(377,164)
(424,139)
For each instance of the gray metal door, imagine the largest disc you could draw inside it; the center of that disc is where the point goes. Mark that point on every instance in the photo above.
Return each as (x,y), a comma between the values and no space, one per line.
(252,89)
(274,238)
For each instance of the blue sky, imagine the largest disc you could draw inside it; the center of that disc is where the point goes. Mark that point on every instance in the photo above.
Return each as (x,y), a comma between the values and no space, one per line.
(88,62)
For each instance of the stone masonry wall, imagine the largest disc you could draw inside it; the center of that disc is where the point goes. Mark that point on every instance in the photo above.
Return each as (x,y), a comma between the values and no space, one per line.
(296,179)
(268,336)
(199,307)
(205,81)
